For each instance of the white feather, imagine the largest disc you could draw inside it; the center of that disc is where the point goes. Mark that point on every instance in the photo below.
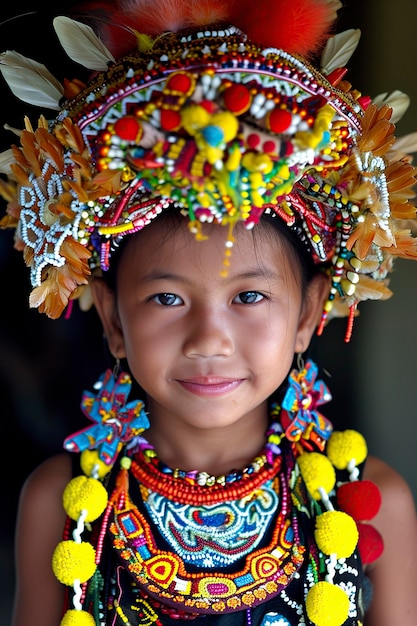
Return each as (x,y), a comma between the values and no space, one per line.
(339,49)
(406,144)
(6,159)
(82,44)
(30,81)
(397,100)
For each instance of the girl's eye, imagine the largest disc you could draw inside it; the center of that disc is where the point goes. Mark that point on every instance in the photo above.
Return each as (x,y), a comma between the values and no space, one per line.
(248,297)
(167,299)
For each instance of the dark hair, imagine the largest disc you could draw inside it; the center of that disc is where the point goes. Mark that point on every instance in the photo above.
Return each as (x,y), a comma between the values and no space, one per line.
(174,218)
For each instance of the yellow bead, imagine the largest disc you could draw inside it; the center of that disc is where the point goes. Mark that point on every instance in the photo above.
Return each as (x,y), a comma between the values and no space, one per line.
(73,561)
(77,618)
(345,446)
(317,471)
(84,493)
(336,533)
(327,604)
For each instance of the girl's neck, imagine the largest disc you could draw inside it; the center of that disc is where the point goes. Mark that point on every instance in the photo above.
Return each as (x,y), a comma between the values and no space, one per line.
(218,451)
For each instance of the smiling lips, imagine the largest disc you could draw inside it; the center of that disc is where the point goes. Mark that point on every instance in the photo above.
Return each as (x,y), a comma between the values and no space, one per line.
(210,386)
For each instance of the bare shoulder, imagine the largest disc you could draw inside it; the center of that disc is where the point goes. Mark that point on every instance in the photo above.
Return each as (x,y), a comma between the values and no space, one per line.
(40,525)
(48,478)
(390,482)
(394,574)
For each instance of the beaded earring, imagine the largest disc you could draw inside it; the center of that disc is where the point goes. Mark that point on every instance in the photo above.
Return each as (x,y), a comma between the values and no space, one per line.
(116,422)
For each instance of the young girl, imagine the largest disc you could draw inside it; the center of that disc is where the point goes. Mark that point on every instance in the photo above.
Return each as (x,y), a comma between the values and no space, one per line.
(261,197)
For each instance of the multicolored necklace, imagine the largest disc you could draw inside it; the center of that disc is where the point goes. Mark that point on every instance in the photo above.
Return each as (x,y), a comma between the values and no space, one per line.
(178,549)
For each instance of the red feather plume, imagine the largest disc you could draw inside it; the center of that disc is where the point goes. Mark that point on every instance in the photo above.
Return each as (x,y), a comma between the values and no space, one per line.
(297,26)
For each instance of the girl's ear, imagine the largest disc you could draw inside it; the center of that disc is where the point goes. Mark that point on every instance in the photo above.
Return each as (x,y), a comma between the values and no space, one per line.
(317,293)
(106,305)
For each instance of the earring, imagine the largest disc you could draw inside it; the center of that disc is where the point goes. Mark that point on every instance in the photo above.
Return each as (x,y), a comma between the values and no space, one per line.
(116,421)
(300,418)
(117,368)
(300,362)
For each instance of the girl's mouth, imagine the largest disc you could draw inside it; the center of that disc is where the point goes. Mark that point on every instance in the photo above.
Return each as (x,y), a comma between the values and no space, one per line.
(210,386)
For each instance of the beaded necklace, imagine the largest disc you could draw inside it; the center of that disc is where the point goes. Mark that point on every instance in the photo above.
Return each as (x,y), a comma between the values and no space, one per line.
(159,471)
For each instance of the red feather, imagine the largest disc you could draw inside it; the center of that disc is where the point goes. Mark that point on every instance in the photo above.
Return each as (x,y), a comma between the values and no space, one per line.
(297,26)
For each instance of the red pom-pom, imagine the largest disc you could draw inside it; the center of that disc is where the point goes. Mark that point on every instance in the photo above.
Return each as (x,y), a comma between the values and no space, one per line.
(170,120)
(279,120)
(128,128)
(360,499)
(370,544)
(237,98)
(179,83)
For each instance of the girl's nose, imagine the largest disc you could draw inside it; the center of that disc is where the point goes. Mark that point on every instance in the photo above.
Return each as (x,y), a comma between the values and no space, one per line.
(208,334)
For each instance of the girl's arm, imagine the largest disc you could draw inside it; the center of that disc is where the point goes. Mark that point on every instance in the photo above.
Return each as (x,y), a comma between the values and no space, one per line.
(394,574)
(40,523)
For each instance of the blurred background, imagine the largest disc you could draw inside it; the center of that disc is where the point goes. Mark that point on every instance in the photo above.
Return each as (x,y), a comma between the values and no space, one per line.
(45,365)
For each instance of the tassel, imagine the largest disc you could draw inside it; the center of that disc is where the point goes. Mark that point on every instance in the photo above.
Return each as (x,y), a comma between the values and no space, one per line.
(30,81)
(82,44)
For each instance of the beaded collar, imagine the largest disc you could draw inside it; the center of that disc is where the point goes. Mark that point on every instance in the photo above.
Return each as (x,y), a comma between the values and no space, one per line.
(249,524)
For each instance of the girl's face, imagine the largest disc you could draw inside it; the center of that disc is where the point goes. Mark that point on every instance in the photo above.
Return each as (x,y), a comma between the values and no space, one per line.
(208,350)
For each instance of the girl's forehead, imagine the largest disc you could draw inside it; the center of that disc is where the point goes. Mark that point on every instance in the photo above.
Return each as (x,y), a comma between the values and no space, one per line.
(167,244)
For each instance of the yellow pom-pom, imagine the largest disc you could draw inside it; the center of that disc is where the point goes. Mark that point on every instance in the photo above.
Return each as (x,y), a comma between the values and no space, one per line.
(227,122)
(84,493)
(345,446)
(77,618)
(327,604)
(73,561)
(90,461)
(336,533)
(194,117)
(317,471)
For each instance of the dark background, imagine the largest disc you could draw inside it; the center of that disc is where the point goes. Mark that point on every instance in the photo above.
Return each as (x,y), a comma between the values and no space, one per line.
(45,365)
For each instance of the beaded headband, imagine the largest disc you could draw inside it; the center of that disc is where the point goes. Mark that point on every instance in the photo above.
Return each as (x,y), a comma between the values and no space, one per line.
(221,127)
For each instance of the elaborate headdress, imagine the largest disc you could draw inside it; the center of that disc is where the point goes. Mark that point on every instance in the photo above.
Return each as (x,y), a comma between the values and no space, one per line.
(215,108)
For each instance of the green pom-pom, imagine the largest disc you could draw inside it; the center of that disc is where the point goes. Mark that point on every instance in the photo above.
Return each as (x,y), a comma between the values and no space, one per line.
(327,604)
(77,618)
(317,471)
(336,533)
(345,446)
(73,561)
(84,493)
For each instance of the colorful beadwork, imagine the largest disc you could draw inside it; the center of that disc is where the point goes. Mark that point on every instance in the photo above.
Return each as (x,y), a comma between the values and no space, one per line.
(233,543)
(167,574)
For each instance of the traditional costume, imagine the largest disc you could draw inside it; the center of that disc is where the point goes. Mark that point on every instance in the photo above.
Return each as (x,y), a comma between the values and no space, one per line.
(224,111)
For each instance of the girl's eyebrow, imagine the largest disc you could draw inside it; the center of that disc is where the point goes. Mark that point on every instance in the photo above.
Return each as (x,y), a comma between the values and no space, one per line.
(266,272)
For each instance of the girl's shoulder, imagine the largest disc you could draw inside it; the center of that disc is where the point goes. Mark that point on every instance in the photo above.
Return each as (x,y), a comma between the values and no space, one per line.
(48,478)
(39,528)
(394,488)
(394,574)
